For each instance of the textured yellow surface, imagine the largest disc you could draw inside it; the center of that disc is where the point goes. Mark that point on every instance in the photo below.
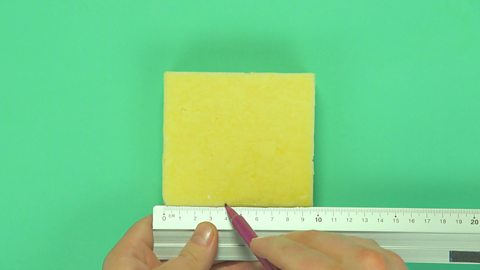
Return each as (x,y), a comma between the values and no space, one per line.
(240,138)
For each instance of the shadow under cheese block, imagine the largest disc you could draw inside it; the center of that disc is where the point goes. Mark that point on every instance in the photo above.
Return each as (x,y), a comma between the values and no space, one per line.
(245,139)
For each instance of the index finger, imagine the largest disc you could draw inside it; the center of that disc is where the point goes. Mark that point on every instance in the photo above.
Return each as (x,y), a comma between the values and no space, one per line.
(288,254)
(332,244)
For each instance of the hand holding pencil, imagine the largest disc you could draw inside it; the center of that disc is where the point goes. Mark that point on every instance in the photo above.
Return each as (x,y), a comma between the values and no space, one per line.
(315,250)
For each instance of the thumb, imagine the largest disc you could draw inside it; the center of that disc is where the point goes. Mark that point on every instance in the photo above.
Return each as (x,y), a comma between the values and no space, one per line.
(200,251)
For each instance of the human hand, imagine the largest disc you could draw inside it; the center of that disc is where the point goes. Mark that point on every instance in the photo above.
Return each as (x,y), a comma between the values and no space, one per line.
(327,251)
(134,251)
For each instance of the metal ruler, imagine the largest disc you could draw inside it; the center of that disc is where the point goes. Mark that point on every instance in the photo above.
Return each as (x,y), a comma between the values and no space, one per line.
(416,234)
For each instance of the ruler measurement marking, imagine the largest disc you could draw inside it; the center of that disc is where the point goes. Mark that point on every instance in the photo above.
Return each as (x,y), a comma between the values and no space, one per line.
(459,228)
(324,219)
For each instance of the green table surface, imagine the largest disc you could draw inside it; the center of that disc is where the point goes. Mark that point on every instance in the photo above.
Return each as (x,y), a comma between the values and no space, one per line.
(397,116)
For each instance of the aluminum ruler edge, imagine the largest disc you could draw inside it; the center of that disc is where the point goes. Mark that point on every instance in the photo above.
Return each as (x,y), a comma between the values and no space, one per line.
(422,235)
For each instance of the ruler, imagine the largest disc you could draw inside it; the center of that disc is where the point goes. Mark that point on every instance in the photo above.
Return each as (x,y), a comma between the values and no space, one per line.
(418,235)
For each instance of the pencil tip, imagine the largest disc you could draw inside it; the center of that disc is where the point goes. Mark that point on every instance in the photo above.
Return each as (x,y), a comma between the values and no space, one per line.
(230,212)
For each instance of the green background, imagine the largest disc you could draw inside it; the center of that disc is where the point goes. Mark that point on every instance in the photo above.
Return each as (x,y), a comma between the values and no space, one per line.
(397,117)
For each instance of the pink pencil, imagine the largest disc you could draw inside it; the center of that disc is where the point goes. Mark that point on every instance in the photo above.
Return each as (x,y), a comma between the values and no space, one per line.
(246,233)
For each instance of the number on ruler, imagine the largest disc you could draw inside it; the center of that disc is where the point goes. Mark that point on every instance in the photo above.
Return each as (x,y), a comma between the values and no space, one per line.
(474,221)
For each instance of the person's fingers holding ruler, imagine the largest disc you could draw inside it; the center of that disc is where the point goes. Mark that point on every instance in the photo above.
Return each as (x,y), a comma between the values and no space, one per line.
(332,244)
(349,250)
(134,247)
(394,261)
(288,254)
(199,252)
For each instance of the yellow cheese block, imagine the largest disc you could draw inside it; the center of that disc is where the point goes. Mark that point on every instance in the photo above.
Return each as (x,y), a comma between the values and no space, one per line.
(245,139)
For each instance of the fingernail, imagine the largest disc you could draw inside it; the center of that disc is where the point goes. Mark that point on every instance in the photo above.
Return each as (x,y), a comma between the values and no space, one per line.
(203,234)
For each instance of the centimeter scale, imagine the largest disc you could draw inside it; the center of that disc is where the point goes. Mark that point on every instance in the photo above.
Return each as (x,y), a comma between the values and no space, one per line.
(416,234)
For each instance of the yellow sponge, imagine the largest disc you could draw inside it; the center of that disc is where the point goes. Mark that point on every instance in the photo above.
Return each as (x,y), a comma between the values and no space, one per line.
(245,139)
